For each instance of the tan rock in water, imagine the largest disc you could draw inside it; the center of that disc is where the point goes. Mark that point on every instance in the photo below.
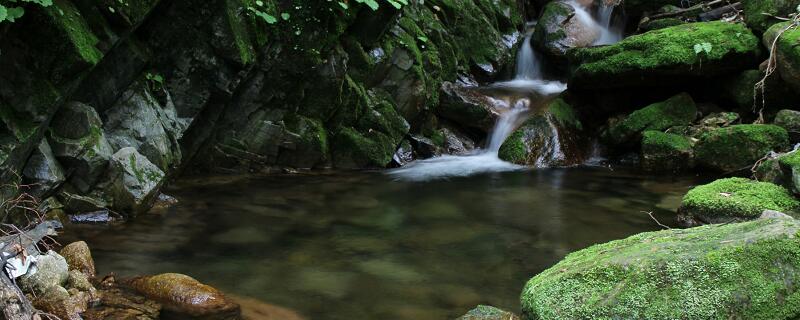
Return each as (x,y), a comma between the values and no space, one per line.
(59,302)
(254,309)
(183,294)
(79,257)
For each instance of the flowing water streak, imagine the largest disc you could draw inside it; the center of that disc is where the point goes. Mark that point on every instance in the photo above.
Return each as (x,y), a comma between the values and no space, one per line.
(602,23)
(528,66)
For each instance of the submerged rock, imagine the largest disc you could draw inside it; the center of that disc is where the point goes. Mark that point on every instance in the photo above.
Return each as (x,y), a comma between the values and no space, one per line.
(676,111)
(733,199)
(183,294)
(483,312)
(731,271)
(739,146)
(666,152)
(665,56)
(254,309)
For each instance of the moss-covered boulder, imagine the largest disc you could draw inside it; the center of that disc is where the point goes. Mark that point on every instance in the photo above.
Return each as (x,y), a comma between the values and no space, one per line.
(679,110)
(666,56)
(732,271)
(733,199)
(560,29)
(783,169)
(739,146)
(761,14)
(666,152)
(789,120)
(553,138)
(483,312)
(788,52)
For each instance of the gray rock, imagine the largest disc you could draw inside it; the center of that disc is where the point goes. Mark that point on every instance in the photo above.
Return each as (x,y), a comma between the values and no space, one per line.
(560,29)
(43,171)
(76,204)
(138,120)
(789,120)
(51,271)
(134,182)
(772,214)
(79,144)
(466,106)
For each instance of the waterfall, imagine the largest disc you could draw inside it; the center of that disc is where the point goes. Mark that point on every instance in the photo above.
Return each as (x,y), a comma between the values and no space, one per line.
(528,67)
(602,21)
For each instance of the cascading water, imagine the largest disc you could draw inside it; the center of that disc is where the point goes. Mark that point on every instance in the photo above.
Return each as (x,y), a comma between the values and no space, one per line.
(602,22)
(511,113)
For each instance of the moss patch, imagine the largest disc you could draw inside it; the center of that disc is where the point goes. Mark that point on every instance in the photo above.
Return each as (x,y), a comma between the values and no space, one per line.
(676,111)
(739,146)
(735,199)
(759,14)
(665,152)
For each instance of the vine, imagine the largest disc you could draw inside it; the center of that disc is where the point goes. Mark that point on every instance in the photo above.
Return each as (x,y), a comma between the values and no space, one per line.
(772,65)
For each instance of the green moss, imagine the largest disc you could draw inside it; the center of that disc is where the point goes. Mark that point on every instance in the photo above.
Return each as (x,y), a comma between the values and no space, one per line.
(676,111)
(239,22)
(739,146)
(760,14)
(514,149)
(661,24)
(352,149)
(550,29)
(565,114)
(734,271)
(665,53)
(658,141)
(736,198)
(665,151)
(84,42)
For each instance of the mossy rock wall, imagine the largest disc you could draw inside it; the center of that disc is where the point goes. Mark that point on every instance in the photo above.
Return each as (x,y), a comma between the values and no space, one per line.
(732,271)
(738,147)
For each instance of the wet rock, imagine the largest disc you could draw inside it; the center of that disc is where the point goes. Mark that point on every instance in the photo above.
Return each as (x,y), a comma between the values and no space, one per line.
(732,200)
(79,257)
(761,14)
(675,274)
(183,294)
(43,171)
(787,52)
(134,182)
(78,142)
(121,304)
(404,154)
(456,142)
(95,217)
(781,169)
(483,312)
(467,107)
(139,121)
(51,271)
(739,146)
(79,204)
(425,147)
(79,281)
(550,139)
(666,152)
(789,120)
(560,28)
(676,111)
(59,302)
(253,309)
(665,56)
(309,144)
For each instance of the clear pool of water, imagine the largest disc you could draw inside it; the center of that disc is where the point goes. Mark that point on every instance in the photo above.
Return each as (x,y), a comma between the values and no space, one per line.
(361,245)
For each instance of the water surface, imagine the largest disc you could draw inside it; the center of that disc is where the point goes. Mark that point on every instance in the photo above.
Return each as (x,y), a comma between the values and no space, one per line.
(364,246)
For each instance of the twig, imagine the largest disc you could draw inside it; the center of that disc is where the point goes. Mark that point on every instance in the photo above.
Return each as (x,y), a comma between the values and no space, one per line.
(656,220)
(772,65)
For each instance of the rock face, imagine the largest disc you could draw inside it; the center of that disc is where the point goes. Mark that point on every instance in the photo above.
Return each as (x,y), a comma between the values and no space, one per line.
(665,56)
(733,199)
(134,181)
(788,53)
(553,138)
(43,170)
(560,28)
(183,294)
(697,273)
(488,313)
(789,120)
(760,14)
(79,257)
(739,146)
(679,110)
(466,107)
(666,152)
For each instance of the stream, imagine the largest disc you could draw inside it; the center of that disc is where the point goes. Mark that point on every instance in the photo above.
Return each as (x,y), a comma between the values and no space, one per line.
(366,246)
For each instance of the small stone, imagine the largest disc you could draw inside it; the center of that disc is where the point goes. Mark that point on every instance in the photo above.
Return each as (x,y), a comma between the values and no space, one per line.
(79,257)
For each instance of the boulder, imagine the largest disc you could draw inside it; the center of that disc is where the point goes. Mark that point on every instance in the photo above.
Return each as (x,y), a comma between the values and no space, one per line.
(733,199)
(561,28)
(59,302)
(789,120)
(309,143)
(51,271)
(760,14)
(787,53)
(553,138)
(42,171)
(665,56)
(730,271)
(679,110)
(79,257)
(133,182)
(739,146)
(467,107)
(185,295)
(78,142)
(666,152)
(782,169)
(483,312)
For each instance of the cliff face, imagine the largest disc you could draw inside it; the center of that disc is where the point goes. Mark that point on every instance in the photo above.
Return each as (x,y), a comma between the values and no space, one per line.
(102,101)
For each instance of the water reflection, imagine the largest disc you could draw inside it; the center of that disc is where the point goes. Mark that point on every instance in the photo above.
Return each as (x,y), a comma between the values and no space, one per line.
(361,246)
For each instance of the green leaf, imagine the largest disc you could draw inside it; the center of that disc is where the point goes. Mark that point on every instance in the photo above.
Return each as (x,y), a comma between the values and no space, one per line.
(15,13)
(285,16)
(698,48)
(343,5)
(3,13)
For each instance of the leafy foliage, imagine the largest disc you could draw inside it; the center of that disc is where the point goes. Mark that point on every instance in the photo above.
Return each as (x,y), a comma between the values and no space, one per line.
(11,10)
